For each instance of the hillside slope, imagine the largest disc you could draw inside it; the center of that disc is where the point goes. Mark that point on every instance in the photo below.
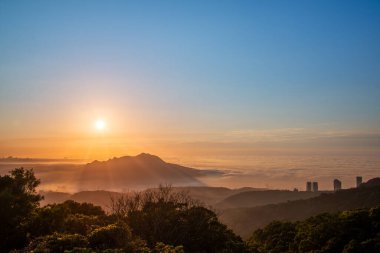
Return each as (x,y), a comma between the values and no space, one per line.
(259,198)
(206,195)
(245,220)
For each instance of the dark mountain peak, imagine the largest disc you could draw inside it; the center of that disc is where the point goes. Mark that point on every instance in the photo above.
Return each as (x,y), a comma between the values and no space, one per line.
(149,157)
(143,169)
(95,162)
(143,157)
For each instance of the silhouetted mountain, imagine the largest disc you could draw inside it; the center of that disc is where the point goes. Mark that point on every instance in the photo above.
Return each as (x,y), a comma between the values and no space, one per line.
(142,170)
(259,198)
(117,174)
(245,220)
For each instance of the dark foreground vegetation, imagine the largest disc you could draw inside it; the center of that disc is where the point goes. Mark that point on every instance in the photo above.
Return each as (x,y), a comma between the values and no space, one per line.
(163,220)
(347,232)
(158,220)
(246,220)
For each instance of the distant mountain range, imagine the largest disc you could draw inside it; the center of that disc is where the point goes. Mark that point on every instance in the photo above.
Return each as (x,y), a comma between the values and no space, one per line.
(207,195)
(246,209)
(243,210)
(259,198)
(245,220)
(219,198)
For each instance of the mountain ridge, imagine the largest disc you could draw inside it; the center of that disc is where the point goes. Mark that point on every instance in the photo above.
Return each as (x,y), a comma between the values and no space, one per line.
(245,220)
(116,174)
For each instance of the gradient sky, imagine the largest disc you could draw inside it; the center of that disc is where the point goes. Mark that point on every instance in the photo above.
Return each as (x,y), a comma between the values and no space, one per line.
(193,74)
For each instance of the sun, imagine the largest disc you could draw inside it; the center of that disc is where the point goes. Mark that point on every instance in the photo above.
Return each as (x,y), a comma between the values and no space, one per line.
(100,124)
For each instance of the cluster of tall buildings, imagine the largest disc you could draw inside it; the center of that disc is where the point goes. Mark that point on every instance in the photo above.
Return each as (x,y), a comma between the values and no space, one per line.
(313,186)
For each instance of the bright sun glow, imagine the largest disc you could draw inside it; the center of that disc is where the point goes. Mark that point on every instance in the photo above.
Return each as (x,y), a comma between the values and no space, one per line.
(100,124)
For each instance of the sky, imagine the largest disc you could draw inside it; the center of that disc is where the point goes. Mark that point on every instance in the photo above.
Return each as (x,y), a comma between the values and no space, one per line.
(187,78)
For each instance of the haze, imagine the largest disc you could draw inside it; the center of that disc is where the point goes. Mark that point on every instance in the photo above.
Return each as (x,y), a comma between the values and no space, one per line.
(281,91)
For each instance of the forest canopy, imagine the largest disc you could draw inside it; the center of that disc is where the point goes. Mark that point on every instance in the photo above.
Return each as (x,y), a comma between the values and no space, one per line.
(347,232)
(158,220)
(163,220)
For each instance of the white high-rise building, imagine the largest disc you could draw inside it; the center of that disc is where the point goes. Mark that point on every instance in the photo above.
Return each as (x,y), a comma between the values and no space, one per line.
(308,186)
(315,186)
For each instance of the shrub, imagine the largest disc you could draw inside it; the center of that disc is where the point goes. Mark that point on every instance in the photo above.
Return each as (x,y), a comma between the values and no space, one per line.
(164,248)
(57,243)
(114,236)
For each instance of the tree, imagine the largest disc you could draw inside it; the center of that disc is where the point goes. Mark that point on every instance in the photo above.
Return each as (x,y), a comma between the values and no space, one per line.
(173,218)
(347,231)
(67,217)
(114,236)
(164,248)
(276,237)
(18,199)
(57,243)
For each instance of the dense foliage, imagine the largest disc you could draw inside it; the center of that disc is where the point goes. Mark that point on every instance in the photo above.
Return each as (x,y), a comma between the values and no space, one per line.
(164,221)
(18,200)
(162,215)
(348,232)
(156,221)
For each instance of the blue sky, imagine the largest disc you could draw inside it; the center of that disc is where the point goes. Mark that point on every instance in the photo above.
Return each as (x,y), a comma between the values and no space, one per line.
(189,66)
